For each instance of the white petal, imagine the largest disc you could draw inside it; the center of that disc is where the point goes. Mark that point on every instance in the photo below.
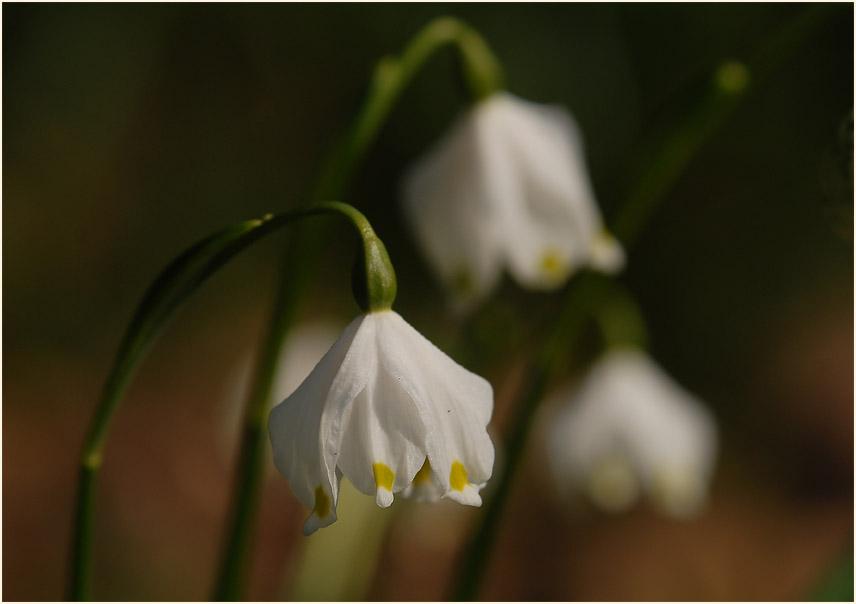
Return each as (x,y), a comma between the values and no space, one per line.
(455,406)
(547,144)
(426,485)
(670,425)
(383,437)
(324,511)
(606,253)
(296,428)
(581,435)
(675,441)
(555,215)
(448,201)
(612,483)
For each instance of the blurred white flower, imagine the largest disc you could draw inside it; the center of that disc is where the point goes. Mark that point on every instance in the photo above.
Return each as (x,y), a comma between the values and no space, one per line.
(389,411)
(302,350)
(631,429)
(507,186)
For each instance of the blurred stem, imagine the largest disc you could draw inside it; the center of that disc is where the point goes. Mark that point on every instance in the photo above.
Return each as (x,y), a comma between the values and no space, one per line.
(724,91)
(391,76)
(589,288)
(673,154)
(837,583)
(181,278)
(620,320)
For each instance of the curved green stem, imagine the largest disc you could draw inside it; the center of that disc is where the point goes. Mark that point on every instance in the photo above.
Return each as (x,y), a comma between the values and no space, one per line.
(673,154)
(391,76)
(583,297)
(166,294)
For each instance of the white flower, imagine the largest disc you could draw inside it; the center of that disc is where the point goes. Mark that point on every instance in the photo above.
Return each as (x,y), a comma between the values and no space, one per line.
(390,412)
(632,429)
(507,186)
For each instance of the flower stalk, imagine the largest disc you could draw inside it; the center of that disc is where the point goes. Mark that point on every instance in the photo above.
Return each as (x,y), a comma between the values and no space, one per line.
(620,320)
(671,155)
(166,294)
(390,78)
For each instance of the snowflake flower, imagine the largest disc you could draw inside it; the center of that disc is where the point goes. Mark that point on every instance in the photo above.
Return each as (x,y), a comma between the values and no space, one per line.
(390,412)
(507,186)
(632,429)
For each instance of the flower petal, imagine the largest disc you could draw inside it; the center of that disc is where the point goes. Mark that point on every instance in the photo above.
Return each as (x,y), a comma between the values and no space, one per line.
(455,406)
(298,439)
(323,511)
(425,486)
(606,253)
(630,416)
(557,204)
(448,203)
(383,442)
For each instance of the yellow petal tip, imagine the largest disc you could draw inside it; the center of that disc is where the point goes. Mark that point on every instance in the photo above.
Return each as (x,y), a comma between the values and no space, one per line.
(384,477)
(458,476)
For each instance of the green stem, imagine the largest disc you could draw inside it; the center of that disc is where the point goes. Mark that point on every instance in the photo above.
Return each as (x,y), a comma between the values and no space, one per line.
(390,78)
(586,294)
(836,585)
(583,297)
(166,294)
(620,320)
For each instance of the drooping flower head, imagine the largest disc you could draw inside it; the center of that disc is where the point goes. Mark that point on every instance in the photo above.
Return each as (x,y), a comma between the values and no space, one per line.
(629,430)
(507,187)
(390,412)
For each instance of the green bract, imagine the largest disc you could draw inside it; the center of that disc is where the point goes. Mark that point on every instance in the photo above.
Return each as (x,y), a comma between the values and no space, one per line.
(373,278)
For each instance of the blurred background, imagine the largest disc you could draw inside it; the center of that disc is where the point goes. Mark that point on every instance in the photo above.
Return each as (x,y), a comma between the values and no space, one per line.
(131,131)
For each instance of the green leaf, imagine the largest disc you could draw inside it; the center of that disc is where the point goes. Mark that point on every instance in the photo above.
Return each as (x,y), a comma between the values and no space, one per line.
(169,290)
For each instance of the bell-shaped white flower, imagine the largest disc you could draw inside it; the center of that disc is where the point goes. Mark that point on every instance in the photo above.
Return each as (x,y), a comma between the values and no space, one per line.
(389,411)
(631,429)
(507,187)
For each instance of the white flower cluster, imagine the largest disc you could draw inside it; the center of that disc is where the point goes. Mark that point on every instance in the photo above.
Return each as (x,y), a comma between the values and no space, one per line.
(506,188)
